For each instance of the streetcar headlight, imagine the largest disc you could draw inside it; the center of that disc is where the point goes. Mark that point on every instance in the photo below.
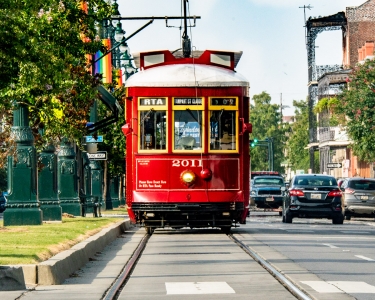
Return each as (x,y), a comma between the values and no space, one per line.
(187,177)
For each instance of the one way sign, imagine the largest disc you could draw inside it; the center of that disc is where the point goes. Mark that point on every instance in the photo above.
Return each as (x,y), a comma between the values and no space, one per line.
(334,165)
(100,155)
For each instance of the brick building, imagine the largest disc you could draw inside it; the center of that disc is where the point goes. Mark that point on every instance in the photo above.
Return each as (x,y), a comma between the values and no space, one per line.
(359,30)
(333,143)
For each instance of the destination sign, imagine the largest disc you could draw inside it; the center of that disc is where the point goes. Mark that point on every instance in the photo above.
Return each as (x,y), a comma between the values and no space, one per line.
(98,155)
(188,101)
(334,165)
(152,101)
(224,101)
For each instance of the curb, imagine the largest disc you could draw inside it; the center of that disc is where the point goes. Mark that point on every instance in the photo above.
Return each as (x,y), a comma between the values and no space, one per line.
(59,267)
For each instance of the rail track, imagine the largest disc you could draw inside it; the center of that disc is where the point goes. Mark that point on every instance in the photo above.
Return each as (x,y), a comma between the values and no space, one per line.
(118,285)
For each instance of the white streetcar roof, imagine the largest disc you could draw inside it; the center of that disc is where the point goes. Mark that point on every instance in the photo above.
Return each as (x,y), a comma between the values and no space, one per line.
(186,75)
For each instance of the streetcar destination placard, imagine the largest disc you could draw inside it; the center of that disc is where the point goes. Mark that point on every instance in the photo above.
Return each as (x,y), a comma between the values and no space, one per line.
(334,165)
(188,101)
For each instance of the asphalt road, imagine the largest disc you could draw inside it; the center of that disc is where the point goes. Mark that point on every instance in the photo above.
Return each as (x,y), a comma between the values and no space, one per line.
(342,256)
(328,262)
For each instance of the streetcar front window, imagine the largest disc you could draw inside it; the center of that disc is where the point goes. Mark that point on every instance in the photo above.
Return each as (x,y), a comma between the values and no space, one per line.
(153,130)
(187,129)
(222,130)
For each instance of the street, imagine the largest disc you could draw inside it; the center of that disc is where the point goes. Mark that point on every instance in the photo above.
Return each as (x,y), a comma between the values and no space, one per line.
(341,255)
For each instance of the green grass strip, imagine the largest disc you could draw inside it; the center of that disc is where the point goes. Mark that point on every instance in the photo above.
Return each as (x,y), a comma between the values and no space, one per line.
(34,244)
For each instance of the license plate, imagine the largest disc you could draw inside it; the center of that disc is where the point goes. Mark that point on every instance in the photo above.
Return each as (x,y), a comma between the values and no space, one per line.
(364,197)
(269,199)
(316,196)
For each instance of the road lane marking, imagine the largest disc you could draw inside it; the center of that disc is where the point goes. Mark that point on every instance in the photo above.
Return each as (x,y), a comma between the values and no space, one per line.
(330,246)
(195,288)
(354,287)
(354,232)
(322,286)
(364,257)
(298,231)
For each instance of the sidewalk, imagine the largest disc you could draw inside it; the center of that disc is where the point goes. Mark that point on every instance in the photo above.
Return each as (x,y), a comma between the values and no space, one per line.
(58,269)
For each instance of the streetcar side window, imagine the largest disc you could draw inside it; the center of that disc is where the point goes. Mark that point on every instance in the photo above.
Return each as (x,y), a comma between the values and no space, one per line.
(223,124)
(153,130)
(187,129)
(222,130)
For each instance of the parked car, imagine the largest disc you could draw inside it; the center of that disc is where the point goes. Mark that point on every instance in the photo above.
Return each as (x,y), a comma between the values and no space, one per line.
(359,196)
(3,201)
(314,196)
(267,191)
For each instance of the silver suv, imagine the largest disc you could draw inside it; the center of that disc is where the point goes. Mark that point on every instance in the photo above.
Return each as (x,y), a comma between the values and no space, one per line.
(359,197)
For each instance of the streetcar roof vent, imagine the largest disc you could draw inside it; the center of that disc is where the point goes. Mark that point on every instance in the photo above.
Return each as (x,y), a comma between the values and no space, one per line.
(220,58)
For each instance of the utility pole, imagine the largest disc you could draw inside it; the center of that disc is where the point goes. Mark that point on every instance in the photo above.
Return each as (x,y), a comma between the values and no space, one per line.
(281,108)
(304,14)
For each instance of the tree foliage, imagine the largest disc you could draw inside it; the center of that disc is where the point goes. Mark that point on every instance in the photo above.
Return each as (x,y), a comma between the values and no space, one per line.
(266,119)
(114,142)
(43,63)
(298,157)
(358,104)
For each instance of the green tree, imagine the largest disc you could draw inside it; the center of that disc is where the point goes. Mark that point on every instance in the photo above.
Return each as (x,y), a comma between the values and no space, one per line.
(298,138)
(357,103)
(43,57)
(266,121)
(114,142)
(298,156)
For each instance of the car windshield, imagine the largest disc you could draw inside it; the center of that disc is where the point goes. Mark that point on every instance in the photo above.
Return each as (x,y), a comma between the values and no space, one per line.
(269,181)
(315,181)
(362,184)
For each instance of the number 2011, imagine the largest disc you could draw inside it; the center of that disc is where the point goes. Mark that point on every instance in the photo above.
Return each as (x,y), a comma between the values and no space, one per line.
(187,163)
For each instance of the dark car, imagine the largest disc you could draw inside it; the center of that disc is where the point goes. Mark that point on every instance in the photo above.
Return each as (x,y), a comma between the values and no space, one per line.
(267,191)
(359,197)
(3,201)
(314,196)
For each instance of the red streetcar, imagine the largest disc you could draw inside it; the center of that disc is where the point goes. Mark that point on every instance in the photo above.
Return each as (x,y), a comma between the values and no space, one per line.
(187,141)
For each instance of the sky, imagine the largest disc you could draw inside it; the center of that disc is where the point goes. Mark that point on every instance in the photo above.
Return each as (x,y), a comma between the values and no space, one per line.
(270,33)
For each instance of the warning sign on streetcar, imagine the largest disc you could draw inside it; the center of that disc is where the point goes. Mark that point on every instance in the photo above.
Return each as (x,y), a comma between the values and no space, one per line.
(100,155)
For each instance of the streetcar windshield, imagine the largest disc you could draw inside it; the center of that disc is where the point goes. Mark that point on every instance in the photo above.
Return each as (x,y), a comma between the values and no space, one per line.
(222,130)
(153,127)
(187,129)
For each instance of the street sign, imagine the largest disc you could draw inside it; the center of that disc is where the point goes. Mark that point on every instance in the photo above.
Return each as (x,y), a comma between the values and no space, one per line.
(334,165)
(91,139)
(100,155)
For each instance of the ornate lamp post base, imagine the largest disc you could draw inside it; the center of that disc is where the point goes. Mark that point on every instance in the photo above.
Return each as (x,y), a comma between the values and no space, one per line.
(114,192)
(67,180)
(23,206)
(48,198)
(22,216)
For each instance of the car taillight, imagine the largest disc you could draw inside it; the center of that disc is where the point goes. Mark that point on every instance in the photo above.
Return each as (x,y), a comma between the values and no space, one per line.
(349,191)
(297,193)
(334,193)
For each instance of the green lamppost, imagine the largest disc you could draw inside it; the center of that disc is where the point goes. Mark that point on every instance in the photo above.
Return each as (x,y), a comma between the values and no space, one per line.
(67,179)
(114,192)
(23,205)
(47,185)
